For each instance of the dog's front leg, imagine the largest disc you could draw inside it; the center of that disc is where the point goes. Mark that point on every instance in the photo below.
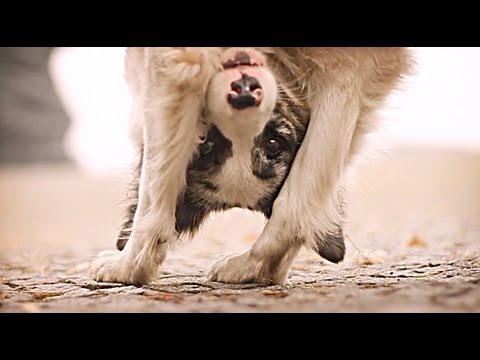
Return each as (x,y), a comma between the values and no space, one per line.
(168,101)
(306,208)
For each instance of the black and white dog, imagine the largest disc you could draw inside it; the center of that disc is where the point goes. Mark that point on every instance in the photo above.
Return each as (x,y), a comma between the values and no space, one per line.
(266,129)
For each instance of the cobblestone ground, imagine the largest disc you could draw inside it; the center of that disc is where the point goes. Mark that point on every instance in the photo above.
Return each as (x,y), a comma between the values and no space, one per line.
(414,245)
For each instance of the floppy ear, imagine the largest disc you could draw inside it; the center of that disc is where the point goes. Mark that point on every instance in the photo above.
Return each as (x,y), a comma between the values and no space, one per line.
(343,87)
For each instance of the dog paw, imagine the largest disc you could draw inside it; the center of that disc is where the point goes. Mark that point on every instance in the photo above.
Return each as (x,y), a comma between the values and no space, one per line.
(107,267)
(239,269)
(192,67)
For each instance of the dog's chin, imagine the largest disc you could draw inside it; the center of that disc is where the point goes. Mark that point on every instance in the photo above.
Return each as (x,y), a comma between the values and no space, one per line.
(236,117)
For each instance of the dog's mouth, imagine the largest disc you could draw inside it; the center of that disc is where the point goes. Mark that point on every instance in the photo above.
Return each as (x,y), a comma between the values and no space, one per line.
(242,58)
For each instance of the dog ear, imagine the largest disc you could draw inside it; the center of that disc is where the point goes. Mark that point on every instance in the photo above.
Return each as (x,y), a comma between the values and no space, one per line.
(330,246)
(121,242)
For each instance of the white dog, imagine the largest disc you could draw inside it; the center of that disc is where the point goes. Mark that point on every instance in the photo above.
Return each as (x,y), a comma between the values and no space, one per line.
(267,129)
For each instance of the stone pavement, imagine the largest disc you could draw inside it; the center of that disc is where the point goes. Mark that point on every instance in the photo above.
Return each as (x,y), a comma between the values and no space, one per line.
(414,246)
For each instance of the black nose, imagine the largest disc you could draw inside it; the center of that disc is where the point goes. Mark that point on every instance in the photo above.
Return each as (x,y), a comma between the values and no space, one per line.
(246,92)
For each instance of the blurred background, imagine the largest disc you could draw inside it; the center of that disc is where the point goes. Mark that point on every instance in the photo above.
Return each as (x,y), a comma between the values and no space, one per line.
(65,157)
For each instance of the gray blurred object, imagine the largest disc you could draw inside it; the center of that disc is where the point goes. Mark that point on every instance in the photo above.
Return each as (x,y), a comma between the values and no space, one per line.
(32,119)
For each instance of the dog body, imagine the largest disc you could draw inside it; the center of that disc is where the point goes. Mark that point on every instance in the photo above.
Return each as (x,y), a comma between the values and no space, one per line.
(267,129)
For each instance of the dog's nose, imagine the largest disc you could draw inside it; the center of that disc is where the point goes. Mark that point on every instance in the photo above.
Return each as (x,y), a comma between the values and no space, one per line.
(246,92)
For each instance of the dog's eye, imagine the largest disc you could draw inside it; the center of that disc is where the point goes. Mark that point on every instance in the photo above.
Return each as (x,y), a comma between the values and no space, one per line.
(206,147)
(273,148)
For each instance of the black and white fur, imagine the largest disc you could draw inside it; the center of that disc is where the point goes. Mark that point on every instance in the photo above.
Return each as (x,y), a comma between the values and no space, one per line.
(284,157)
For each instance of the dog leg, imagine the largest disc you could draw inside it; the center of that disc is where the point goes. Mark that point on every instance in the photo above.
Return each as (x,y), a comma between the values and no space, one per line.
(132,198)
(342,93)
(168,100)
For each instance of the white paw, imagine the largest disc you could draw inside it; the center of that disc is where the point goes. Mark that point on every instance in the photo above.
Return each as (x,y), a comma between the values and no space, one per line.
(239,269)
(191,66)
(107,266)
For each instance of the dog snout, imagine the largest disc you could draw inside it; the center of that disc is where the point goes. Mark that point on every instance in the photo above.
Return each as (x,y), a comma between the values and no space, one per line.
(246,92)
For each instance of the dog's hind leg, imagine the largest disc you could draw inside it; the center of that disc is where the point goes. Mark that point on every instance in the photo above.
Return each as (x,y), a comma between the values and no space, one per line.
(343,88)
(168,86)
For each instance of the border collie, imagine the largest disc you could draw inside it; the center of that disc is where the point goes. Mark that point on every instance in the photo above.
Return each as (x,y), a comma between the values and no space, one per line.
(267,129)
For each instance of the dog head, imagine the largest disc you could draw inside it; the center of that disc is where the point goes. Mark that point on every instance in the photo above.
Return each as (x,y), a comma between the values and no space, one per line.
(255,128)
